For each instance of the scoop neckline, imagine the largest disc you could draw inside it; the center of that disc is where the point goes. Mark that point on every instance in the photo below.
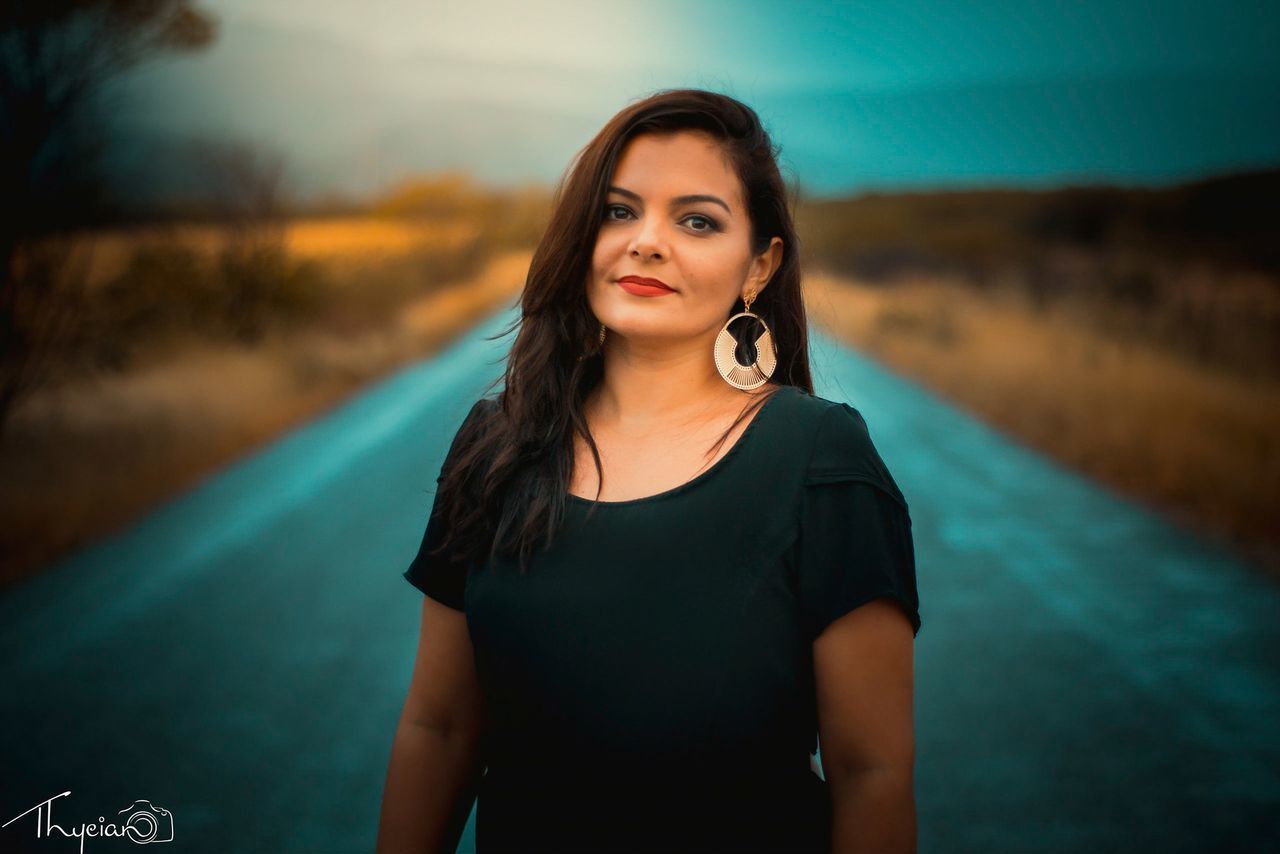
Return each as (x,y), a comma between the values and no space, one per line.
(697,479)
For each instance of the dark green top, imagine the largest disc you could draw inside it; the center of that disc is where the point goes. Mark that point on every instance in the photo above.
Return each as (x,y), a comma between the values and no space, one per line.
(649,682)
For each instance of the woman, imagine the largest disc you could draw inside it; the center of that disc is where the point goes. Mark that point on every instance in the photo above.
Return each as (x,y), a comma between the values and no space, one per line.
(657,565)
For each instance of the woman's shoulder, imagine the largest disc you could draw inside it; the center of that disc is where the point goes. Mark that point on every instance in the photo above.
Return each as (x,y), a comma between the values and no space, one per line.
(478,417)
(820,420)
(808,407)
(839,443)
(482,407)
(473,425)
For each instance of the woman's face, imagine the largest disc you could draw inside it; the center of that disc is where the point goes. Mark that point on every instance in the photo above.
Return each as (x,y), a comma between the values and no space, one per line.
(698,246)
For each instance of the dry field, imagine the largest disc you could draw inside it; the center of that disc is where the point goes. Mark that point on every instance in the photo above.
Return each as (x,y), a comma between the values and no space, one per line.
(86,458)
(1199,444)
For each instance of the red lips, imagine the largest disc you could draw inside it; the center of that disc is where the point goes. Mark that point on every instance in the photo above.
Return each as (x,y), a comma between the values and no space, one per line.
(640,286)
(641,280)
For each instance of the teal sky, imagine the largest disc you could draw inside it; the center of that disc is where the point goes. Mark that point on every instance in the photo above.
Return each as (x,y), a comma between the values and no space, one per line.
(861,95)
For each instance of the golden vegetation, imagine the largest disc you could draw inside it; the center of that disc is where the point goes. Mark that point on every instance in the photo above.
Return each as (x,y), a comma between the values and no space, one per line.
(90,455)
(190,343)
(1193,269)
(1132,334)
(1195,442)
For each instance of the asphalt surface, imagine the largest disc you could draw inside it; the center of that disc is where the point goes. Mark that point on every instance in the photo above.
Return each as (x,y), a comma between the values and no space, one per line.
(1088,678)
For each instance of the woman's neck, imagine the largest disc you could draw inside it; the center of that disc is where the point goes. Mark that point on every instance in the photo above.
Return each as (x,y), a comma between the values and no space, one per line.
(650,390)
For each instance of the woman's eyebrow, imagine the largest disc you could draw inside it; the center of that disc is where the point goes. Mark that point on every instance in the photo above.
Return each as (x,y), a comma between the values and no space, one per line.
(678,200)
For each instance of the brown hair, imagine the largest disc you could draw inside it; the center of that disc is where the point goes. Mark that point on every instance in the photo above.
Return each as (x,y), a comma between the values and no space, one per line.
(506,490)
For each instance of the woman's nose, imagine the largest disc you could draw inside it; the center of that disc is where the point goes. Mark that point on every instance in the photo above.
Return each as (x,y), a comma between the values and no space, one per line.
(649,242)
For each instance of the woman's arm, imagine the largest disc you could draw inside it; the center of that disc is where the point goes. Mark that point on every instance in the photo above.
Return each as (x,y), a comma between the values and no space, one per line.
(435,762)
(864,672)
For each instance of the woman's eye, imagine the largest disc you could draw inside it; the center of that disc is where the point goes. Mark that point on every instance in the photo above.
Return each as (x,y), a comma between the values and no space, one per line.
(609,209)
(708,223)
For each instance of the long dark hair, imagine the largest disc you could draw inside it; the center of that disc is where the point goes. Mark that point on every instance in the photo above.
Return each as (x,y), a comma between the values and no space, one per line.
(506,490)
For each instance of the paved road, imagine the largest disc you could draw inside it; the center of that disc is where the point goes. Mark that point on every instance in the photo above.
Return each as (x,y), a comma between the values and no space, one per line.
(1088,678)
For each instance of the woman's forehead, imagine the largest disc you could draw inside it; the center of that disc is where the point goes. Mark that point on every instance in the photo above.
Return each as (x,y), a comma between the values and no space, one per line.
(675,164)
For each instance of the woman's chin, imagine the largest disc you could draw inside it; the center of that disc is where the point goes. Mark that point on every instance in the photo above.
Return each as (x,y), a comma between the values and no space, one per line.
(655,336)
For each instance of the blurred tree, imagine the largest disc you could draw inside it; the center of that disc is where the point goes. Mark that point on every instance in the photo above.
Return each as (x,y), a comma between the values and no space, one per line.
(55,56)
(251,200)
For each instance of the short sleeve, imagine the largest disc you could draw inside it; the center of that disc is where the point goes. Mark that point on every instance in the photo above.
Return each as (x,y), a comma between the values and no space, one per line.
(440,576)
(855,543)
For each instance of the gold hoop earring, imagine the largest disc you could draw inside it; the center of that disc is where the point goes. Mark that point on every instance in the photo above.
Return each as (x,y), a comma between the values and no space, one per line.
(736,374)
(598,348)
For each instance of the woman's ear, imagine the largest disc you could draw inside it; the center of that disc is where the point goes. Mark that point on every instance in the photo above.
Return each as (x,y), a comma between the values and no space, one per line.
(763,266)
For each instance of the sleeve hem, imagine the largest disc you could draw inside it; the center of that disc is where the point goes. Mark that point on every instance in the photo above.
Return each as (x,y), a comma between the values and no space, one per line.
(908,610)
(443,599)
